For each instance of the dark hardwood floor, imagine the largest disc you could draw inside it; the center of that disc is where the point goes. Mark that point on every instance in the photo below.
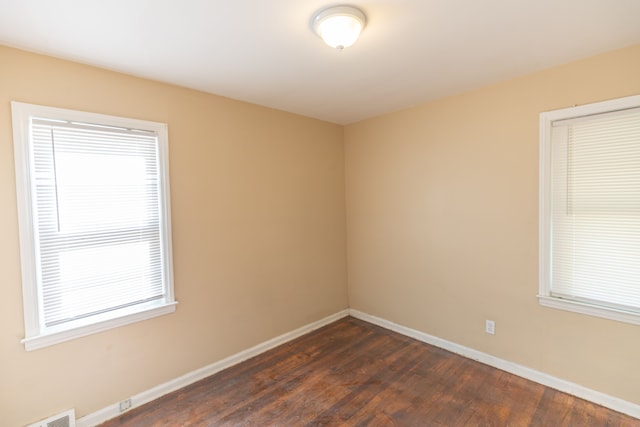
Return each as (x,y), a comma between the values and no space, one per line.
(352,373)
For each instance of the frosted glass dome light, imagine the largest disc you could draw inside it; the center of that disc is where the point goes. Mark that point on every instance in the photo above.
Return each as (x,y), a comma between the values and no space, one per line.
(339,26)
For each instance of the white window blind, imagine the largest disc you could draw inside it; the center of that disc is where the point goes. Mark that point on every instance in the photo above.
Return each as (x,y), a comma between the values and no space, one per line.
(593,202)
(96,192)
(596,210)
(99,221)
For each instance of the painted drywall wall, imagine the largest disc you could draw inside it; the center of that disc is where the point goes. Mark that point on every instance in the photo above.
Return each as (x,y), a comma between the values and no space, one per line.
(442,224)
(442,231)
(257,199)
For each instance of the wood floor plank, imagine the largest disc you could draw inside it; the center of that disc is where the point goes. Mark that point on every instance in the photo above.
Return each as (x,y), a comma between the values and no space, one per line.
(352,373)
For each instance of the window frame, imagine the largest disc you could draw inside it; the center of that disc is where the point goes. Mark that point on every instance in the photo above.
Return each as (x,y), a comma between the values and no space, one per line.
(37,335)
(545,296)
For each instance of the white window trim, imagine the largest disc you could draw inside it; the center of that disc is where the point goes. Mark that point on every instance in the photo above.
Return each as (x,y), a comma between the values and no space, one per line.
(35,334)
(544,285)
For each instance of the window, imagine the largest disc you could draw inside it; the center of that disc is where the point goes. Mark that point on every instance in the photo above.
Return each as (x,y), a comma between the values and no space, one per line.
(590,209)
(95,237)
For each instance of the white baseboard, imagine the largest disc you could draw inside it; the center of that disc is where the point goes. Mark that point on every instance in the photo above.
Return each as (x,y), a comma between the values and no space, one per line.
(577,390)
(113,410)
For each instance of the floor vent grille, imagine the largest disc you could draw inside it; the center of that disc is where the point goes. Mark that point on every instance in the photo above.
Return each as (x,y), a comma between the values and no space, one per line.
(64,419)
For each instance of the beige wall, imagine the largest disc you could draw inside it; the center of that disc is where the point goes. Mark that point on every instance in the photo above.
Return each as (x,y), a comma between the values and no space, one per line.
(442,224)
(258,231)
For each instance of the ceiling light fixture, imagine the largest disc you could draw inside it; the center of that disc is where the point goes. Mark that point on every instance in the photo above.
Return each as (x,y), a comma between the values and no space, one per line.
(339,26)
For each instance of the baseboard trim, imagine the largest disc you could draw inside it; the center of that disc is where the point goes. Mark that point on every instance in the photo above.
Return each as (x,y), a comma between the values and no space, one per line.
(113,410)
(574,389)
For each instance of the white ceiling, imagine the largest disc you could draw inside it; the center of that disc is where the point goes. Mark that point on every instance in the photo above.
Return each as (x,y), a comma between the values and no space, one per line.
(264,52)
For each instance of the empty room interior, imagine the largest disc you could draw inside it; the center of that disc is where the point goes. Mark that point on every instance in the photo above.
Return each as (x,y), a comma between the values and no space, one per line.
(395,182)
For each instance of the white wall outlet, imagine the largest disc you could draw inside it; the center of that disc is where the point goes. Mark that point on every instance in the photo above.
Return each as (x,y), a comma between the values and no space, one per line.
(490,327)
(125,405)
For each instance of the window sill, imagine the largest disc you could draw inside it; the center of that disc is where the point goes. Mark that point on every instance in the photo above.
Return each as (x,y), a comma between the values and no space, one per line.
(590,309)
(90,326)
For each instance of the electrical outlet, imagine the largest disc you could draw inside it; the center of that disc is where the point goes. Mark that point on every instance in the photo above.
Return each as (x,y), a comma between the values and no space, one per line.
(490,327)
(125,404)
